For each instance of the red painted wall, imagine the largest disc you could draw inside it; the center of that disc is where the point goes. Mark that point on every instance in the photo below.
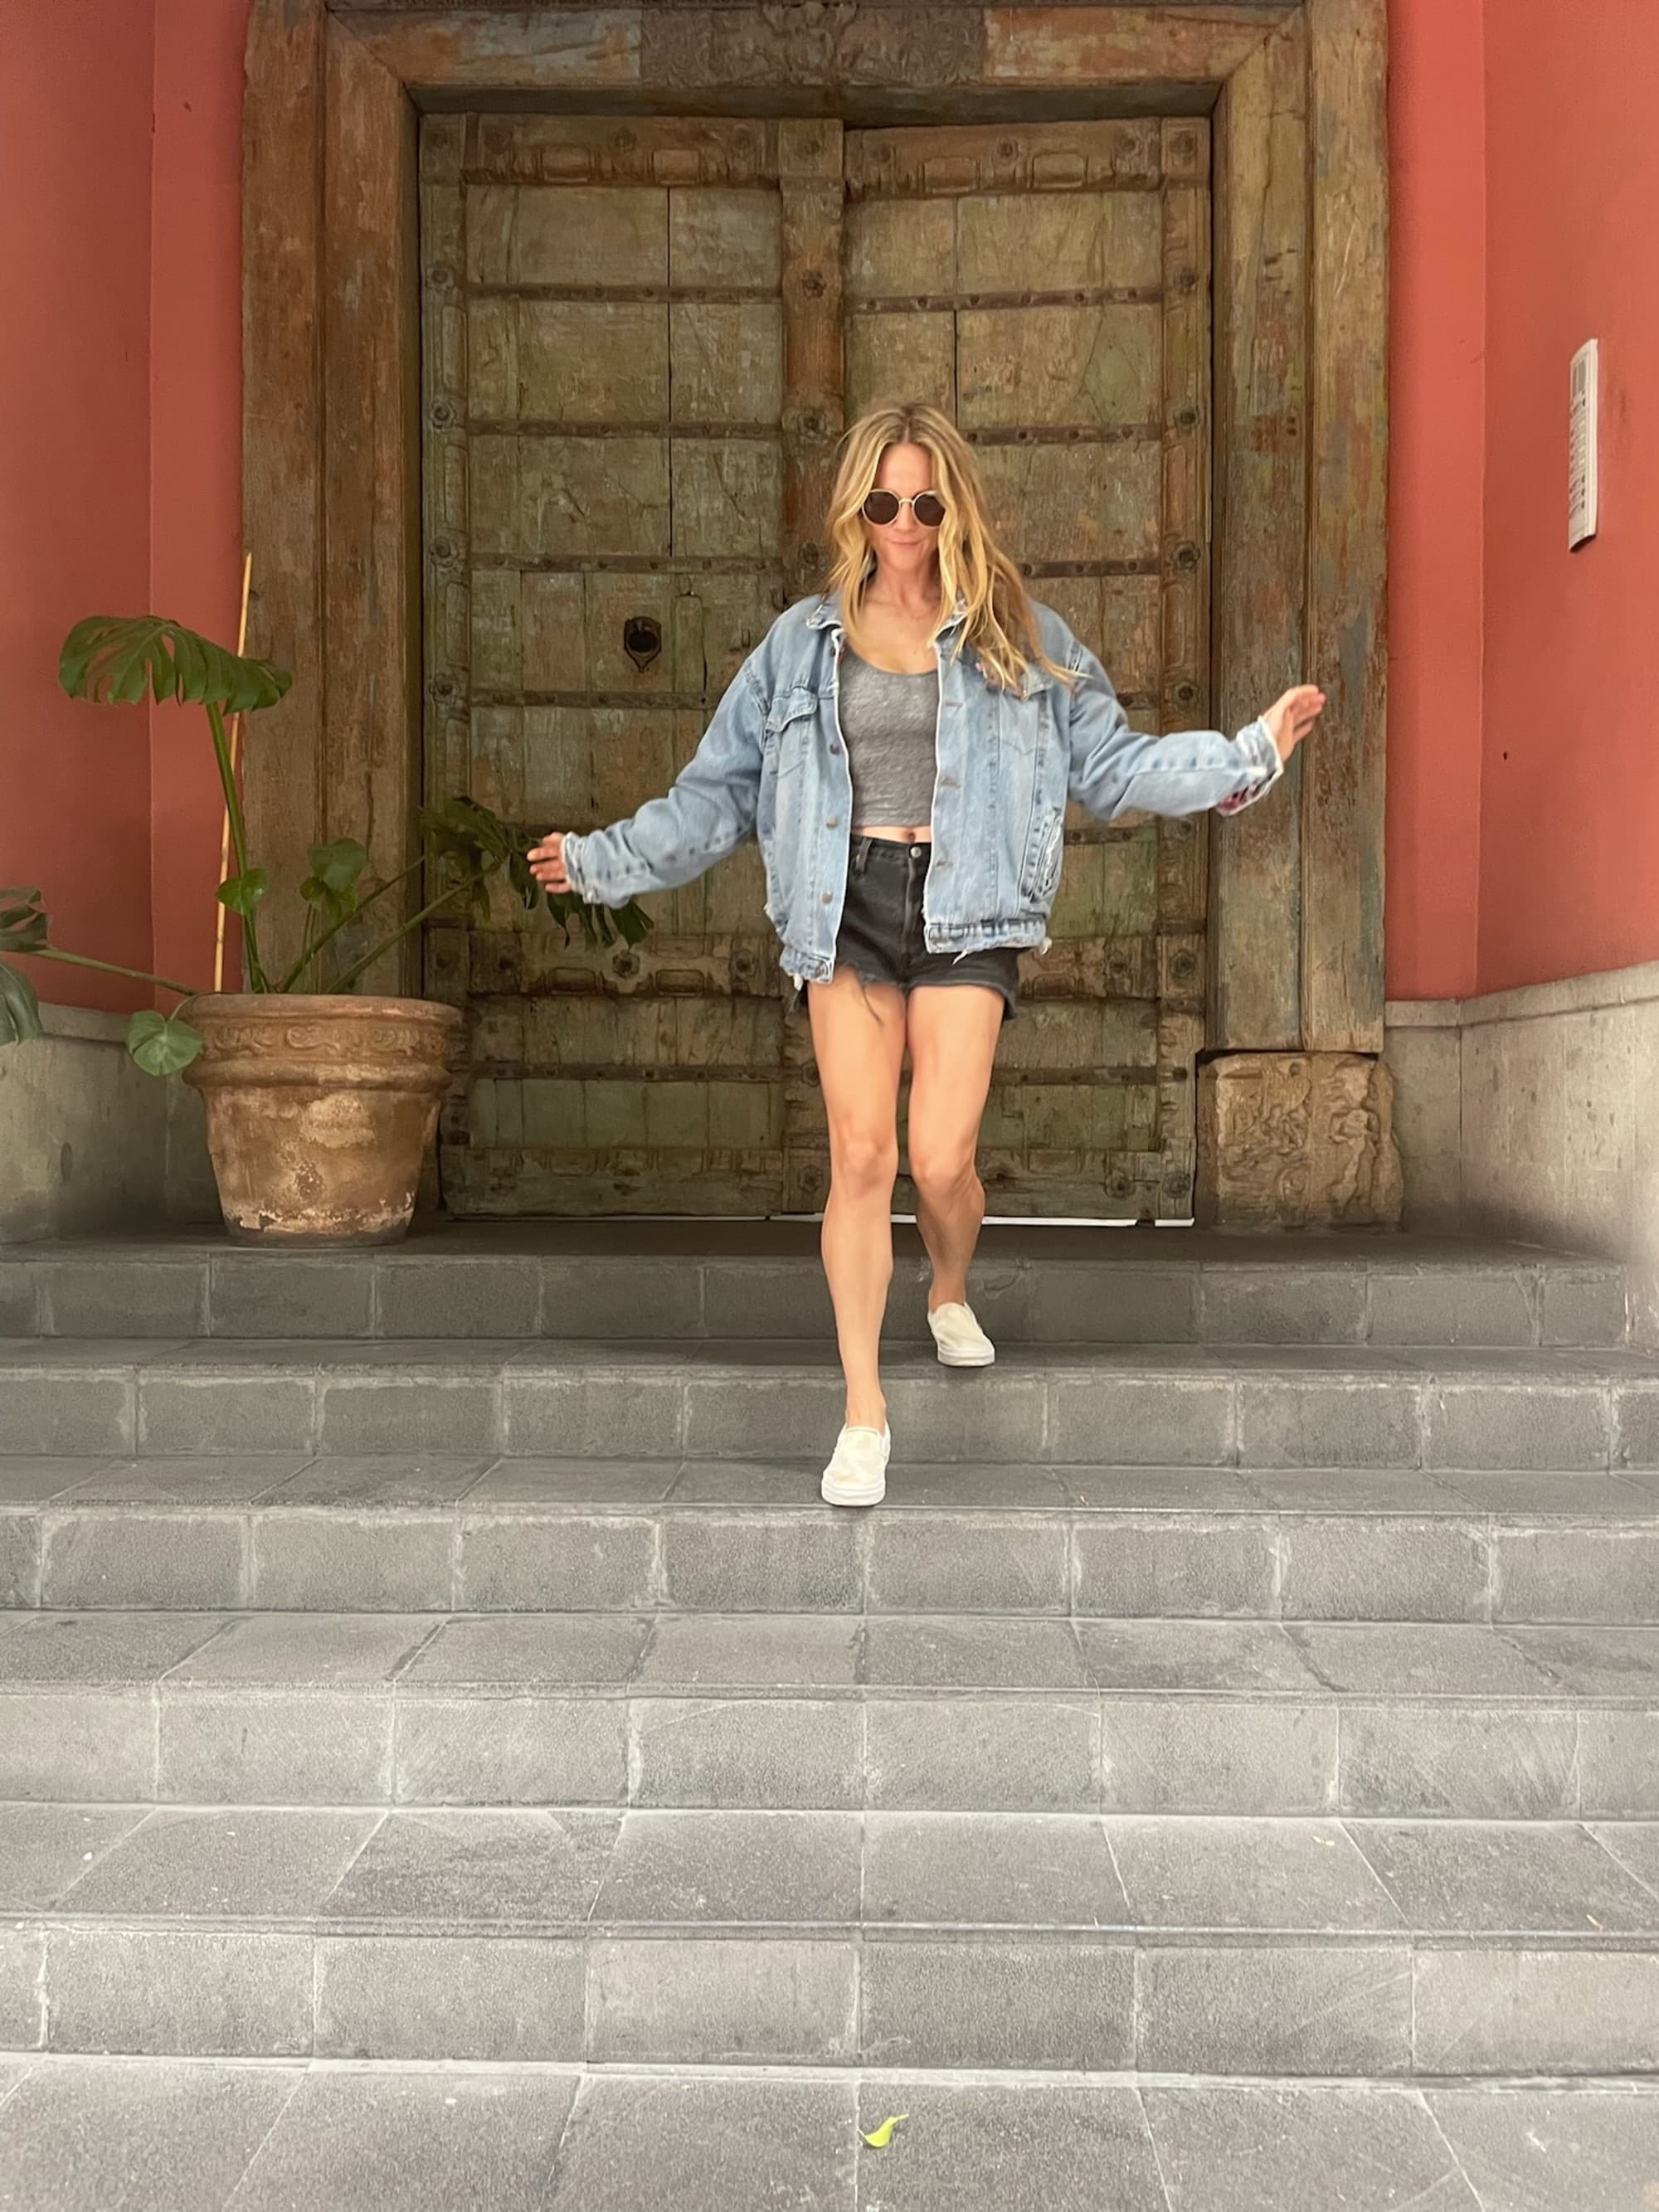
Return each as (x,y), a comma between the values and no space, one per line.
(196,440)
(75,171)
(1570,778)
(1436,469)
(120,482)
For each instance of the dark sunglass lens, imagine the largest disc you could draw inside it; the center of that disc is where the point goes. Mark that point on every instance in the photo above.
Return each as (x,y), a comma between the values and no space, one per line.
(881,507)
(929,510)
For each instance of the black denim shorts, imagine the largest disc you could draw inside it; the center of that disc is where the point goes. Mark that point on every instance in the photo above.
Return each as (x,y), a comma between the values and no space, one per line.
(881,936)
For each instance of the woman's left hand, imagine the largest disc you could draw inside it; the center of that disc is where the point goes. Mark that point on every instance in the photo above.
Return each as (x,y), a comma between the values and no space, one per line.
(1290,718)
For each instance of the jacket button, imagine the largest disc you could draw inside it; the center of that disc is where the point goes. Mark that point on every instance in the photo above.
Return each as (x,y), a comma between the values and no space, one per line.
(827,898)
(834,747)
(830,821)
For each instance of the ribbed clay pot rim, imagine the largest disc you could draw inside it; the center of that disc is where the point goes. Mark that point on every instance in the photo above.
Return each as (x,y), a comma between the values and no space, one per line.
(315,1005)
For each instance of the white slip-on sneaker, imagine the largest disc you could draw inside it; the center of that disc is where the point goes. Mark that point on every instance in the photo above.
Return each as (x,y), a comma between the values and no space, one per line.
(856,1473)
(961,1342)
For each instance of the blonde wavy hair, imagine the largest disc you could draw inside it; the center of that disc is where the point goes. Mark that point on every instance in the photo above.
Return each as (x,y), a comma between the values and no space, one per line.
(1000,624)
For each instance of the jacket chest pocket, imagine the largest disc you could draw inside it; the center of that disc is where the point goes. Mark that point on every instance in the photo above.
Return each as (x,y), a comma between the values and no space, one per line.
(786,737)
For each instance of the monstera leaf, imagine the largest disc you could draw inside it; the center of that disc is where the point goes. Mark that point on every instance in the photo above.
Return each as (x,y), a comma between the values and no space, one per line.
(123,657)
(22,929)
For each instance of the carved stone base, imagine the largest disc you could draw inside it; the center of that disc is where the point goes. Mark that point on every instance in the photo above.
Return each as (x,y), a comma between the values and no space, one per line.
(1296,1140)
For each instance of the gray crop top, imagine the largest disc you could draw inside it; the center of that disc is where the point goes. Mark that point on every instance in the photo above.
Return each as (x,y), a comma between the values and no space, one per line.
(889,722)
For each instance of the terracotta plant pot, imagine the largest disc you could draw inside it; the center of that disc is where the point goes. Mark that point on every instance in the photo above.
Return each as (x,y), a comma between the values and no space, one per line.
(319,1111)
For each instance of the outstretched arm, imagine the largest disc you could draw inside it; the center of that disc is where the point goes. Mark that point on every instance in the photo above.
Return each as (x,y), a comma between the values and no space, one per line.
(705,813)
(1114,769)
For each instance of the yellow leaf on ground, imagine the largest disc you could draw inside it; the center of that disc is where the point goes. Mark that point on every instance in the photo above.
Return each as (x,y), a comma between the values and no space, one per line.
(883,2135)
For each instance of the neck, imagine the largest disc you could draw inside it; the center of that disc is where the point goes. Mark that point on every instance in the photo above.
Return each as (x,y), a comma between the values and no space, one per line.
(916,595)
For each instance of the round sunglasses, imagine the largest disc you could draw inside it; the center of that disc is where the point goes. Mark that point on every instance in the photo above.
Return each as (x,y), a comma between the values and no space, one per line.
(882,507)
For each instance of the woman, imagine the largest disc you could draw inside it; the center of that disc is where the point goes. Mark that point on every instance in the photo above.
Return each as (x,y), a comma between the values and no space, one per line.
(904,746)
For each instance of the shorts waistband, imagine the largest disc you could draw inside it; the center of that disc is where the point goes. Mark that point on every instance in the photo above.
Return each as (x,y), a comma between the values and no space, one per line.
(866,849)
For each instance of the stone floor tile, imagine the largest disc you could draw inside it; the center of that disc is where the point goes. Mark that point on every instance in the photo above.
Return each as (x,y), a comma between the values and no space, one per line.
(392,1478)
(101,1647)
(1038,1753)
(1188,1754)
(538,1749)
(407,2143)
(1635,1844)
(1294,2008)
(210,1993)
(1003,2001)
(989,1654)
(1222,1873)
(1492,1877)
(116,1556)
(1530,1494)
(224,1480)
(775,1651)
(27,1480)
(399,1559)
(83,1746)
(1264,2149)
(532,1650)
(763,1562)
(1618,1764)
(1496,2009)
(557,1561)
(1193,1655)
(1463,1761)
(244,1746)
(158,2138)
(991,2147)
(285,1648)
(1370,1489)
(1544,2150)
(1596,1663)
(247,1862)
(723,2002)
(443,1866)
(957,1563)
(1187,1567)
(574,1482)
(44,1849)
(787,1753)
(1416,1659)
(449,1998)
(1157,1489)
(990,1869)
(969,1485)
(772,1482)
(761,1868)
(774,2146)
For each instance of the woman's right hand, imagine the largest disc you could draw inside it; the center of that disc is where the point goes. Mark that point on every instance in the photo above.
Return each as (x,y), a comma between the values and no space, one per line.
(547,862)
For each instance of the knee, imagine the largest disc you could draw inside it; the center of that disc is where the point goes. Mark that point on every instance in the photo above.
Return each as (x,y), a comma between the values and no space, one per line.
(941,1172)
(863,1162)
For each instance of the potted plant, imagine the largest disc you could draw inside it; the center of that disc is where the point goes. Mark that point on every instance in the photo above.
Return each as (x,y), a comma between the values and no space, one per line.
(320,1101)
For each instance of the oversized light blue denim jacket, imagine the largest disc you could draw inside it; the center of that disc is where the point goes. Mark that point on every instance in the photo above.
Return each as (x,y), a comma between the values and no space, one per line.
(772,763)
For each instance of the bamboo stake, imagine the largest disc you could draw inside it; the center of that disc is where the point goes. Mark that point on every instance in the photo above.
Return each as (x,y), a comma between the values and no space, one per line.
(235,747)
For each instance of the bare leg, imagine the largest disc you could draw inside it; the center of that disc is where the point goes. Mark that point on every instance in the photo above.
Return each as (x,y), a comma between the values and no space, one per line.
(953,1032)
(858,1037)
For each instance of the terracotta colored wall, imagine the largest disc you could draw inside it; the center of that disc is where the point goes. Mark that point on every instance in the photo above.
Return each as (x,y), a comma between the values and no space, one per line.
(1437,368)
(120,469)
(74,169)
(1570,783)
(196,438)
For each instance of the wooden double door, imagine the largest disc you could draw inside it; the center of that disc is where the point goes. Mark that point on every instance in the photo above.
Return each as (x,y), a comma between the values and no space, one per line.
(642,337)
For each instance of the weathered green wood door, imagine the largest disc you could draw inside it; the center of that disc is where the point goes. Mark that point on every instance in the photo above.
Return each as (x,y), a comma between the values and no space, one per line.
(640,337)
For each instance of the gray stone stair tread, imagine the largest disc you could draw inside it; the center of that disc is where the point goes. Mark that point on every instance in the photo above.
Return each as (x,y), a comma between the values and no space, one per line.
(1224,1877)
(828,1655)
(165,2135)
(812,1354)
(483,1482)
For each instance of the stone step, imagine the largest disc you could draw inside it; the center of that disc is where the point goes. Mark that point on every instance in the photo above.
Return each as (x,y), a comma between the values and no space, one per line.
(458,1535)
(1062,1405)
(826,1713)
(158,2135)
(1032,1283)
(1160,1943)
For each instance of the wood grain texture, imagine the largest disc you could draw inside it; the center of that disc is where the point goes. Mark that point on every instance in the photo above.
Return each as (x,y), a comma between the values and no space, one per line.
(1342,781)
(371,365)
(283,437)
(814,396)
(1119,46)
(1258,637)
(809,44)
(520,49)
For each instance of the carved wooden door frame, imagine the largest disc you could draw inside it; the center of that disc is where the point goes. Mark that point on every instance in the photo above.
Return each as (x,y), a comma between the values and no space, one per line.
(332,350)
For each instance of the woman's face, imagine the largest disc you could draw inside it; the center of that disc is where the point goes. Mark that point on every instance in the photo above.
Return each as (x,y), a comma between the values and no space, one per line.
(903,547)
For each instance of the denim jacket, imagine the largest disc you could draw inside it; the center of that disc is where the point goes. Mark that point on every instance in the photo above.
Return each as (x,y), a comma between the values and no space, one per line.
(772,764)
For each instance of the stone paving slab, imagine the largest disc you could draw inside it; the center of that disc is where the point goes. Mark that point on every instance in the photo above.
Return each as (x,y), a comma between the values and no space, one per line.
(1167,1405)
(1033,1283)
(158,2135)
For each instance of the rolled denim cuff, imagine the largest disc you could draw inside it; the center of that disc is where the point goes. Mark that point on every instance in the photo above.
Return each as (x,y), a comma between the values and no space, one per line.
(579,881)
(1261,758)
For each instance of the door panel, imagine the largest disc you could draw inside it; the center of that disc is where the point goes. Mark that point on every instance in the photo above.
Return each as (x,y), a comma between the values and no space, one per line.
(631,364)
